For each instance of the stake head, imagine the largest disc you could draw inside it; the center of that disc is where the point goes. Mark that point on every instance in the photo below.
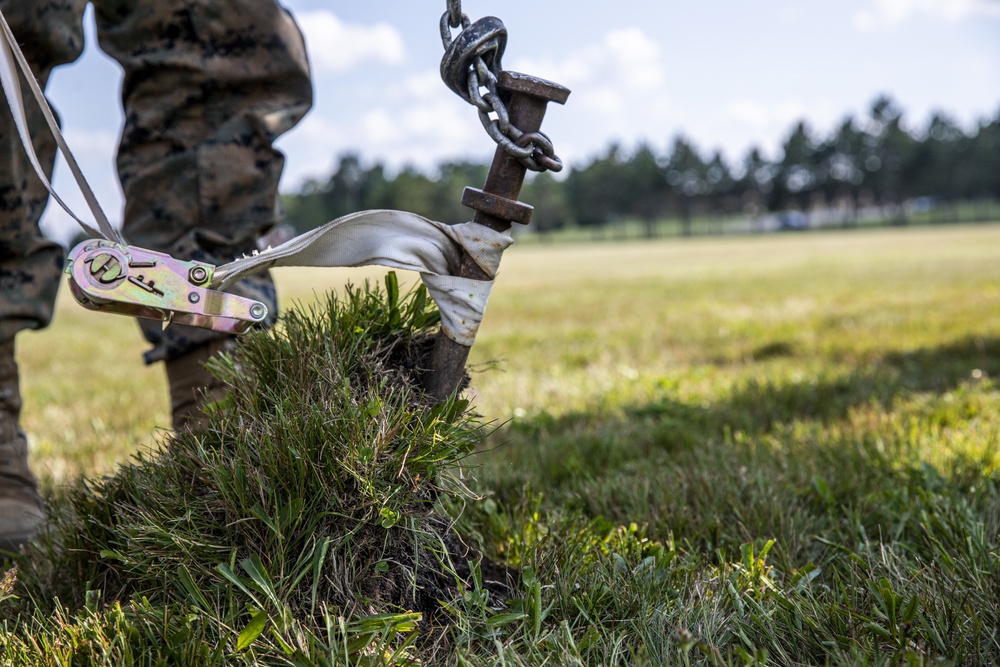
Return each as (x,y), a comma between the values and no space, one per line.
(515,82)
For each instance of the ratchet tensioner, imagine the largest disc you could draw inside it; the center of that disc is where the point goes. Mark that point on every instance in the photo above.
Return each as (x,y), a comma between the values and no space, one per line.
(113,278)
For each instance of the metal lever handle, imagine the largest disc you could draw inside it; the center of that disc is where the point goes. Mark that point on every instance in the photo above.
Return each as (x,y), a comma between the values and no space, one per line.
(112,278)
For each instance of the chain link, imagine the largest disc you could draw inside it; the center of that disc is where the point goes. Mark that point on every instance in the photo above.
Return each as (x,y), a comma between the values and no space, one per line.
(455,13)
(534,149)
(446,26)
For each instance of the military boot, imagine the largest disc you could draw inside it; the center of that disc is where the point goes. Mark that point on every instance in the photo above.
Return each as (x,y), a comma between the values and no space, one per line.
(192,386)
(21,508)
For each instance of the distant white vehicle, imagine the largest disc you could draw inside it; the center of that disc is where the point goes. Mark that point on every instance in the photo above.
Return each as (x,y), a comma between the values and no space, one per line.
(793,221)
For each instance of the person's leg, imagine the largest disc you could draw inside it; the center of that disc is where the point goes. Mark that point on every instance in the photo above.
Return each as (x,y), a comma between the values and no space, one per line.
(209,85)
(30,264)
(21,508)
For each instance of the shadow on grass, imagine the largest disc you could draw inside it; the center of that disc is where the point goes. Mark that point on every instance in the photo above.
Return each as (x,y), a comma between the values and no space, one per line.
(589,443)
(945,366)
(782,459)
(757,405)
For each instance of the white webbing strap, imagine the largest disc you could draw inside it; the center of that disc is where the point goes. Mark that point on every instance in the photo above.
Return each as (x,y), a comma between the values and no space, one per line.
(9,53)
(399,240)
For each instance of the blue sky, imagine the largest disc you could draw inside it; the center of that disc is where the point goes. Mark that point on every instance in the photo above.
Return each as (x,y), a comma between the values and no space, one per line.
(728,74)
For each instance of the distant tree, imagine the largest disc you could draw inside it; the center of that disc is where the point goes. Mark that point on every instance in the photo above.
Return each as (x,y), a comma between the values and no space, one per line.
(891,149)
(412,190)
(986,157)
(843,156)
(548,197)
(599,192)
(686,174)
(351,187)
(453,178)
(799,173)
(347,188)
(720,185)
(646,187)
(754,182)
(305,210)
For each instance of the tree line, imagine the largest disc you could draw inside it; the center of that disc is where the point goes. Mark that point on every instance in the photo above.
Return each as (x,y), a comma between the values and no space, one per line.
(872,161)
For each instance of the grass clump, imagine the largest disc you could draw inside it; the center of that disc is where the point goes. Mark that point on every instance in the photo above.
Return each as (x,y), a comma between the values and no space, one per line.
(300,524)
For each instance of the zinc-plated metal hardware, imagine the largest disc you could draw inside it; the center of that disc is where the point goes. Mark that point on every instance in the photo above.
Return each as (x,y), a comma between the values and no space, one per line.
(113,278)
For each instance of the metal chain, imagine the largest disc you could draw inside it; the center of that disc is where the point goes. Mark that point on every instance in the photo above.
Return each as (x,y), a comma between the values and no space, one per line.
(534,149)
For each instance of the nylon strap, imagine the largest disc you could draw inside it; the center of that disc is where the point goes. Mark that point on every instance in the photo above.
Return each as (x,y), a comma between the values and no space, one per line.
(399,240)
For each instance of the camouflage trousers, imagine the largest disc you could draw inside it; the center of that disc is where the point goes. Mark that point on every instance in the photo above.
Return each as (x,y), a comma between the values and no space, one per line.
(209,85)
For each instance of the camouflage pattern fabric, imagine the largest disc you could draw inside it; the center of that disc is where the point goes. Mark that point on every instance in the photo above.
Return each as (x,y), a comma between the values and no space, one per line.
(30,265)
(209,85)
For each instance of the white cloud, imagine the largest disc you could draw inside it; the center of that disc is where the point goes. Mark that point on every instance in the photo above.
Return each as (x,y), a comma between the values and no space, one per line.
(569,71)
(423,132)
(619,85)
(424,85)
(603,99)
(420,112)
(635,57)
(759,116)
(627,62)
(335,46)
(416,122)
(745,123)
(628,58)
(890,13)
(309,150)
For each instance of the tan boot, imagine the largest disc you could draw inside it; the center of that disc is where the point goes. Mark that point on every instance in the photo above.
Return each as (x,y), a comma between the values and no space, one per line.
(22,511)
(192,386)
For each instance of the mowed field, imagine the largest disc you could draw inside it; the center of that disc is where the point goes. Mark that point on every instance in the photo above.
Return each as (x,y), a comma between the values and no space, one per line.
(777,449)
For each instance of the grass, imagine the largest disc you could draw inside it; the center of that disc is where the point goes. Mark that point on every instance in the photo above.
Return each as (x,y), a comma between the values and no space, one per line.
(769,450)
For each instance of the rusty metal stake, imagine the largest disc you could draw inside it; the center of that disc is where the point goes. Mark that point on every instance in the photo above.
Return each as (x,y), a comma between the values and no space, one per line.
(496,206)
